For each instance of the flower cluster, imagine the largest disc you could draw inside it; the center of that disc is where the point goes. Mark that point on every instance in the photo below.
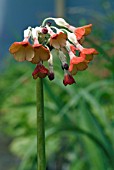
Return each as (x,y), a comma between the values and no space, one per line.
(66,41)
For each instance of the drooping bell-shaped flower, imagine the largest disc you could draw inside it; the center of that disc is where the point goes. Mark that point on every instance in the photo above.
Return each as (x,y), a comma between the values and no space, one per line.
(41,53)
(58,39)
(23,50)
(88,53)
(76,63)
(80,31)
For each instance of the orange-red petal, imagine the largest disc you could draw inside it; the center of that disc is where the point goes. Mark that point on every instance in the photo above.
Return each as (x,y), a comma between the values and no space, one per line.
(79,32)
(14,47)
(73,48)
(77,60)
(77,64)
(89,51)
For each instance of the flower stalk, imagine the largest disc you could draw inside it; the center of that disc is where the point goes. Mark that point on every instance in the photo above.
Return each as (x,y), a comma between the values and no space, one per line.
(41,159)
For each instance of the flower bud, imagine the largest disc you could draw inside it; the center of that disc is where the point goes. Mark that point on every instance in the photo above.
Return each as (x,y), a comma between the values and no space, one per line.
(27,32)
(34,33)
(61,22)
(51,76)
(44,30)
(65,66)
(68,79)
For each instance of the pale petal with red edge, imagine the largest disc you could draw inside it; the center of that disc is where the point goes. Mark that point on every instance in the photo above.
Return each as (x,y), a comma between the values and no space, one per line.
(54,43)
(20,55)
(58,40)
(29,52)
(44,53)
(62,35)
(36,58)
(62,42)
(14,47)
(40,53)
(22,51)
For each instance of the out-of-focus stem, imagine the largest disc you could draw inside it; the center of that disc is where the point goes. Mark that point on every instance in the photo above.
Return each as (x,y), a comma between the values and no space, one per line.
(41,159)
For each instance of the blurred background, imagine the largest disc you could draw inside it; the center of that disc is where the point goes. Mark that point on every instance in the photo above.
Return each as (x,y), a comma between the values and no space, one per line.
(79,119)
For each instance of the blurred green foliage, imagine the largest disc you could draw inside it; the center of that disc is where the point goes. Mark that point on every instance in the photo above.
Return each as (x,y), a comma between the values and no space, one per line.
(79,119)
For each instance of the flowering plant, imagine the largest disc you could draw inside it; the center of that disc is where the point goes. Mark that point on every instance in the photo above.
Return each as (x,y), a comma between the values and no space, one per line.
(66,40)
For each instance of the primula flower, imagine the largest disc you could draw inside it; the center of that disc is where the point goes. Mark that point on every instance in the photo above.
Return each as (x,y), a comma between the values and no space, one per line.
(58,40)
(22,51)
(88,53)
(40,71)
(41,53)
(80,31)
(77,63)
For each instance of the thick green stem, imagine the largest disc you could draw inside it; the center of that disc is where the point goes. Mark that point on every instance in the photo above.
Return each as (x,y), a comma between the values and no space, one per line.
(41,159)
